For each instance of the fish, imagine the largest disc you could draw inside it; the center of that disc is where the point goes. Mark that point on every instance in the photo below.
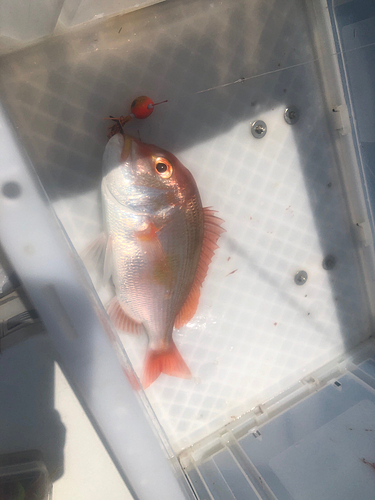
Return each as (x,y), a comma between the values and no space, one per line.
(157,246)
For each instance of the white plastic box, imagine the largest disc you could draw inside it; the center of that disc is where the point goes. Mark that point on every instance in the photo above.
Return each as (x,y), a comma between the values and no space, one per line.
(275,378)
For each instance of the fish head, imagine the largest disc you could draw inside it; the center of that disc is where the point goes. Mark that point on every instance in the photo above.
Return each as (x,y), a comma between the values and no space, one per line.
(145,178)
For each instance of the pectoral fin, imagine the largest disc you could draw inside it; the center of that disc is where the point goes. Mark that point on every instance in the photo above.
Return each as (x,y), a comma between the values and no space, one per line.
(149,242)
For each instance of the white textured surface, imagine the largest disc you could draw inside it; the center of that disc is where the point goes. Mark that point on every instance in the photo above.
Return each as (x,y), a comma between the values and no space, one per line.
(255,332)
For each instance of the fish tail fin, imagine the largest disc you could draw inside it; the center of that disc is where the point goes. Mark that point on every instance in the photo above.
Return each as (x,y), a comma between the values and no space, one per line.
(168,361)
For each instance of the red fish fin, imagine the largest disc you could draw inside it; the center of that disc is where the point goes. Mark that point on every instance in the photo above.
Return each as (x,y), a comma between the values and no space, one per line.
(150,242)
(212,232)
(148,234)
(167,361)
(189,308)
(120,319)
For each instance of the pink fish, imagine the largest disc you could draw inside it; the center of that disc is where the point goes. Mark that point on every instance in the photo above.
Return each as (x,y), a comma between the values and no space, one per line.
(159,242)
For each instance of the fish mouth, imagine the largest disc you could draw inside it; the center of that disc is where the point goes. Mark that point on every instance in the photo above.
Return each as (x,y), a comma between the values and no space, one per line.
(127,148)
(117,179)
(125,185)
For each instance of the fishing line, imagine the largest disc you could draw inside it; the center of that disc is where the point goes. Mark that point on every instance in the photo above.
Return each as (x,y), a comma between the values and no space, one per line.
(279,70)
(143,106)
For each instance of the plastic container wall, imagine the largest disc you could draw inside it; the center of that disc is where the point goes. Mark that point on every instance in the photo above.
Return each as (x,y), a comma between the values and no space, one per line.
(222,66)
(27,21)
(37,250)
(76,12)
(23,22)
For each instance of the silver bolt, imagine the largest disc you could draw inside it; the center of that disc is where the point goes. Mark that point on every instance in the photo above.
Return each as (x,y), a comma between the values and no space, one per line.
(291,115)
(300,278)
(329,262)
(258,129)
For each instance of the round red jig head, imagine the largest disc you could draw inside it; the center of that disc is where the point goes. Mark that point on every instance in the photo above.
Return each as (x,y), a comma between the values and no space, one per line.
(142,107)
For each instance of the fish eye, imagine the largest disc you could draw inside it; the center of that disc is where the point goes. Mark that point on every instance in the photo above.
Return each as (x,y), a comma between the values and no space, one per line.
(163,167)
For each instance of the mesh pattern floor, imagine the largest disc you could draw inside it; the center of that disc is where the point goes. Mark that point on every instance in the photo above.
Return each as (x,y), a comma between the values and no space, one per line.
(256,332)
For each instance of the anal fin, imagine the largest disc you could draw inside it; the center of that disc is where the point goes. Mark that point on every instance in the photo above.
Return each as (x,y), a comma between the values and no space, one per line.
(121,320)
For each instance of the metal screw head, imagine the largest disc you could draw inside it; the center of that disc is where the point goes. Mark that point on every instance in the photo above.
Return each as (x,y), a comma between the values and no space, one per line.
(300,278)
(258,129)
(329,262)
(291,115)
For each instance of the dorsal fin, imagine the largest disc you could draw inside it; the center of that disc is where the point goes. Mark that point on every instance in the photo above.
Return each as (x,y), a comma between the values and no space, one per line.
(212,231)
